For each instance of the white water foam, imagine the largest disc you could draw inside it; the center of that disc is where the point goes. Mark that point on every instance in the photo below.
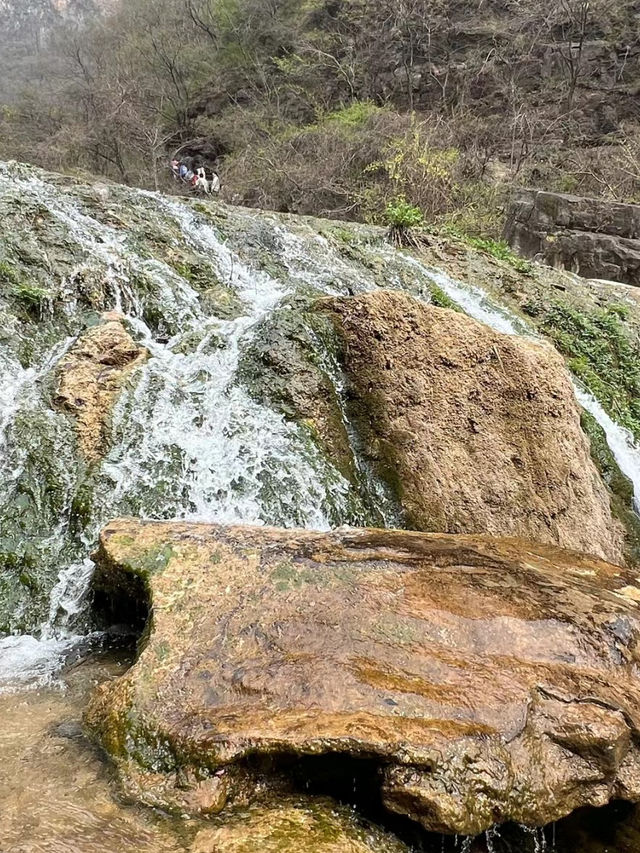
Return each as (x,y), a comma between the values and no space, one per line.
(189,441)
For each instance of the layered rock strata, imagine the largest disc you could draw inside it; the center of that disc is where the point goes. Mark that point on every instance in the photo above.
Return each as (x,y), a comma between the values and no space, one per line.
(592,237)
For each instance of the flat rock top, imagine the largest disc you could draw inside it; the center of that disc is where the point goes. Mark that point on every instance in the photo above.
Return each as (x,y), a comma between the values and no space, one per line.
(471,670)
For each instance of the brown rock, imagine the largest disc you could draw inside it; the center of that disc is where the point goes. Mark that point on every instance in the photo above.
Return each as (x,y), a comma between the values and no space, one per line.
(294,826)
(478,432)
(465,680)
(91,376)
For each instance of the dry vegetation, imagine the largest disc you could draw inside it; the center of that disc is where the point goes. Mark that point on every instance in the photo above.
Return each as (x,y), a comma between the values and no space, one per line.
(334,107)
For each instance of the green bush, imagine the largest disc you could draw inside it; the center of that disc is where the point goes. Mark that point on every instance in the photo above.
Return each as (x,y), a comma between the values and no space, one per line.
(401,214)
(354,115)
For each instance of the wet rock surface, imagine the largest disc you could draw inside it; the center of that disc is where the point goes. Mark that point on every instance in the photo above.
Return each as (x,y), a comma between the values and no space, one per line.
(478,432)
(469,680)
(592,237)
(293,826)
(90,377)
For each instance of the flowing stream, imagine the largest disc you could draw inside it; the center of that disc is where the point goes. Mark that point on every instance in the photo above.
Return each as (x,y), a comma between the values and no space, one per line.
(189,441)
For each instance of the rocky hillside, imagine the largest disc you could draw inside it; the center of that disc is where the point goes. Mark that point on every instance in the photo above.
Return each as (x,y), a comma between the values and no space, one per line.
(221,388)
(334,107)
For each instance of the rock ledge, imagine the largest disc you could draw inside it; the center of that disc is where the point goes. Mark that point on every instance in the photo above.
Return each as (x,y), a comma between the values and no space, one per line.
(471,681)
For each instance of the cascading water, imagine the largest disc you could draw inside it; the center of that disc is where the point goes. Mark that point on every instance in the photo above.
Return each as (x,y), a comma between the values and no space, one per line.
(188,440)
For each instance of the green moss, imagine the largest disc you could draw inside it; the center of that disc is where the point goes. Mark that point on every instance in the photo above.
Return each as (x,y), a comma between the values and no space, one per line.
(201,276)
(620,487)
(81,511)
(155,560)
(30,294)
(441,300)
(601,353)
(285,368)
(501,250)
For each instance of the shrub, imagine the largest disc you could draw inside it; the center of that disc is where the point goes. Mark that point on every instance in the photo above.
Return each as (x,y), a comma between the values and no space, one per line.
(402,214)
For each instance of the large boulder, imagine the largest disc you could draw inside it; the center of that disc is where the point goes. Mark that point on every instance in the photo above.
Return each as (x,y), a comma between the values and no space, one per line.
(592,237)
(461,681)
(478,432)
(91,376)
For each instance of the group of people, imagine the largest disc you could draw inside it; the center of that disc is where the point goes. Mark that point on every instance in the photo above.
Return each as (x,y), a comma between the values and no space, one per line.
(196,179)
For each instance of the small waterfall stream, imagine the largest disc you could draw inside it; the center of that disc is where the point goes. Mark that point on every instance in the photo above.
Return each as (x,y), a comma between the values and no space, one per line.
(188,439)
(189,442)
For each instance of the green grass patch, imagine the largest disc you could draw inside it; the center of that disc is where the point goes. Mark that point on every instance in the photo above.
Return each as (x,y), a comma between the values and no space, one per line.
(441,300)
(600,352)
(501,250)
(354,115)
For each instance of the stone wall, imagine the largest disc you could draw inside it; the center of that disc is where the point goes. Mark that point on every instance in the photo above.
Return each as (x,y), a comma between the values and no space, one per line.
(591,237)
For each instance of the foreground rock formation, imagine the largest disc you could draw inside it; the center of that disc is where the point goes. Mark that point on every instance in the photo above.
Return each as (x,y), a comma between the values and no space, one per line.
(91,376)
(592,237)
(477,432)
(461,681)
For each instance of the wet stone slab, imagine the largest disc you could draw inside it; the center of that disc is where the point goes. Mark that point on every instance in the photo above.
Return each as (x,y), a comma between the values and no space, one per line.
(464,681)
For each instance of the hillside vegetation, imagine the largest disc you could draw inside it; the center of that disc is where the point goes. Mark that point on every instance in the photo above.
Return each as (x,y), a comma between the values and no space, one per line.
(344,108)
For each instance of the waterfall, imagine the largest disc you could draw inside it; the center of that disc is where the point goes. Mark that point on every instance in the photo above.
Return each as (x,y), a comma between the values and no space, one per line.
(188,440)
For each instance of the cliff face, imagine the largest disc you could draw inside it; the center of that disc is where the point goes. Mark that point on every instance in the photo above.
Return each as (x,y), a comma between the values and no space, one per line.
(591,237)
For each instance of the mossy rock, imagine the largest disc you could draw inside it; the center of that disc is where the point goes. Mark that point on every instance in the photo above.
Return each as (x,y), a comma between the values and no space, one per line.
(287,369)
(620,487)
(294,825)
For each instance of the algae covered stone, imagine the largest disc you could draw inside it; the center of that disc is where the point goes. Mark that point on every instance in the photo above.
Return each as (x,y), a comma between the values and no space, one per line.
(468,680)
(293,826)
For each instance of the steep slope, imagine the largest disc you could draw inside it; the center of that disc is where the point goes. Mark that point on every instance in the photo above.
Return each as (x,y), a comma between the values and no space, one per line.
(239,413)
